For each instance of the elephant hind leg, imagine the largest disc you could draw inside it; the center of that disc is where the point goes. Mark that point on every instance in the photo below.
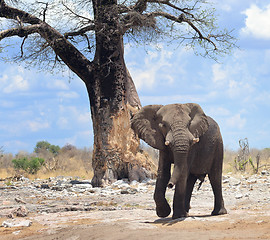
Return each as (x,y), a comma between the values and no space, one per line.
(216,183)
(190,185)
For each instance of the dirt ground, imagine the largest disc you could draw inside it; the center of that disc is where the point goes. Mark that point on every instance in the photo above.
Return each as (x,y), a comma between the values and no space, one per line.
(132,216)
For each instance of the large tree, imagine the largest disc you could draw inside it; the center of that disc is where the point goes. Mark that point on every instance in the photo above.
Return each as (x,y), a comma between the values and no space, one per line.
(88,37)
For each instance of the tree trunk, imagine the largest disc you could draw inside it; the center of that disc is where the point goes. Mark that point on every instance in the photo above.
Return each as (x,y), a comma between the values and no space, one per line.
(112,94)
(113,99)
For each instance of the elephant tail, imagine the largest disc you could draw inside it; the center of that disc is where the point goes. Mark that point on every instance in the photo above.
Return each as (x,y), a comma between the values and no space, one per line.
(201,178)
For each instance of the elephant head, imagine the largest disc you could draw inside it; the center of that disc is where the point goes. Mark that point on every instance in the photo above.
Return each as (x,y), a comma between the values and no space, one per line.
(175,126)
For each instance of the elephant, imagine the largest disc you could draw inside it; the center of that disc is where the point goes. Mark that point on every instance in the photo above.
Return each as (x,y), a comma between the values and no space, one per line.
(190,140)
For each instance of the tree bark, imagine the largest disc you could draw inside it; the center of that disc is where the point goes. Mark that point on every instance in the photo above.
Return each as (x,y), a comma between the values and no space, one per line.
(113,99)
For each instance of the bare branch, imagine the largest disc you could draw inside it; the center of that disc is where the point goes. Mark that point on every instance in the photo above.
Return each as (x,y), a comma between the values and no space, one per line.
(168,3)
(81,31)
(182,19)
(140,6)
(88,43)
(69,54)
(20,32)
(76,14)
(13,13)
(22,46)
(44,12)
(199,33)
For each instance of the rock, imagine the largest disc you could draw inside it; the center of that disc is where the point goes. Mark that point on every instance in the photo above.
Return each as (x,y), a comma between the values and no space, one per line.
(18,200)
(44,186)
(21,211)
(17,212)
(79,182)
(142,188)
(58,188)
(121,184)
(83,186)
(239,195)
(16,223)
(134,182)
(264,172)
(234,182)
(16,232)
(129,191)
(226,180)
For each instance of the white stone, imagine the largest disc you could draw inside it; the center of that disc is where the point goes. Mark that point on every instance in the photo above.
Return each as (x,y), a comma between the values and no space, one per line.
(239,195)
(16,223)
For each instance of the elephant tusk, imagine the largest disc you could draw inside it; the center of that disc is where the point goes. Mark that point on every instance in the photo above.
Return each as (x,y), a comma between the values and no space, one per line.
(167,143)
(196,140)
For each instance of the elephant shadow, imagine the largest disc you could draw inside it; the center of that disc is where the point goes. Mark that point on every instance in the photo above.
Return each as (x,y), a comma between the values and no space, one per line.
(168,221)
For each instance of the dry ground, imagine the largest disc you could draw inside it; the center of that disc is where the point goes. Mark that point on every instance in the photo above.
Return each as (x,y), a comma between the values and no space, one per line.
(132,216)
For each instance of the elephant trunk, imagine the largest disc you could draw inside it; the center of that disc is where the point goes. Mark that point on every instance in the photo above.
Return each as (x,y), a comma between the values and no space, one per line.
(179,170)
(180,149)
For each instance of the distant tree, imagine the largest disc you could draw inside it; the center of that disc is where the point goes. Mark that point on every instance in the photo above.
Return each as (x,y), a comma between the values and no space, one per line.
(44,146)
(88,36)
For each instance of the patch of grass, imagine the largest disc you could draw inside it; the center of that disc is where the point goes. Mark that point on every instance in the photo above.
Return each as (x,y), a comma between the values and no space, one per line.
(69,161)
(81,173)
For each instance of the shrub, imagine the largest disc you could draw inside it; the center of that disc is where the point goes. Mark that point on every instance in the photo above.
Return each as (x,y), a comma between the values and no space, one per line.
(30,166)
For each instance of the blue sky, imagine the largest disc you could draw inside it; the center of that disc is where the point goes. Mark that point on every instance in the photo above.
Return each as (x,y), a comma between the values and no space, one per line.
(37,106)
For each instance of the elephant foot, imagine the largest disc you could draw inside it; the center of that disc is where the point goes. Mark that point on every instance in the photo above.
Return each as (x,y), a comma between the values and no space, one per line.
(163,210)
(221,211)
(179,215)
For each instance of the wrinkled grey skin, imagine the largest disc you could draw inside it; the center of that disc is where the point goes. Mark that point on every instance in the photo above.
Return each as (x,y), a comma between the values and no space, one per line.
(192,141)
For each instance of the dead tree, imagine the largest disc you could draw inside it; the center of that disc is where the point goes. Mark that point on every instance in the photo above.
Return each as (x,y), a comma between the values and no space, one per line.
(243,156)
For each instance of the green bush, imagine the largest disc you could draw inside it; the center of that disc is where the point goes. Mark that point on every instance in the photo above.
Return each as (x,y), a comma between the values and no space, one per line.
(31,165)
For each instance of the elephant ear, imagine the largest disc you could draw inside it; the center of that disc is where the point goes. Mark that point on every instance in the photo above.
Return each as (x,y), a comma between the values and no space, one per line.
(199,124)
(146,125)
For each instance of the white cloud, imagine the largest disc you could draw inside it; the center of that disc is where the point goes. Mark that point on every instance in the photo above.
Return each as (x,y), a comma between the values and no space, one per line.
(57,84)
(84,117)
(219,75)
(236,121)
(257,22)
(17,83)
(263,97)
(3,79)
(226,7)
(233,79)
(15,144)
(145,76)
(218,111)
(171,99)
(68,95)
(7,104)
(63,123)
(72,114)
(38,125)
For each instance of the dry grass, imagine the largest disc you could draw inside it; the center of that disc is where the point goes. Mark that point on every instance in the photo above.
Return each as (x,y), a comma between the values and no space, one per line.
(75,162)
(70,161)
(229,164)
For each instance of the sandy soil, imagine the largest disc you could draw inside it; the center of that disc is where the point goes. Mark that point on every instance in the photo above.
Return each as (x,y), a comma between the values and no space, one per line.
(132,216)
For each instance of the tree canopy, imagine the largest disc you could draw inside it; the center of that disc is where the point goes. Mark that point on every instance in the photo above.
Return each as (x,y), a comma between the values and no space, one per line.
(191,23)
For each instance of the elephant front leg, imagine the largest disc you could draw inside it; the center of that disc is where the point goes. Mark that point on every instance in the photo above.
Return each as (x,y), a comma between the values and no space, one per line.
(189,188)
(164,173)
(179,208)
